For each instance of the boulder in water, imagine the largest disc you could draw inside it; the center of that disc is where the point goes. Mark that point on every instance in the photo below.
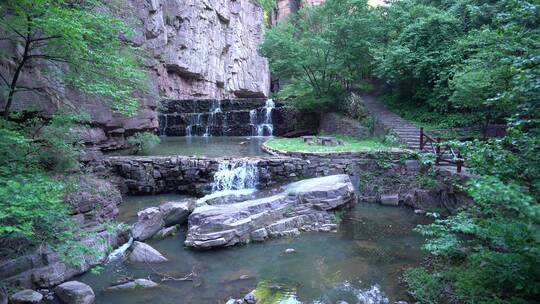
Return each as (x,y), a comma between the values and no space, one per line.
(75,292)
(142,252)
(150,221)
(166,232)
(138,283)
(304,206)
(27,296)
(176,212)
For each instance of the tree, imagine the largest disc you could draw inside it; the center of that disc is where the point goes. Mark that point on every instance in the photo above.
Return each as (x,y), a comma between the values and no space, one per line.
(320,50)
(76,41)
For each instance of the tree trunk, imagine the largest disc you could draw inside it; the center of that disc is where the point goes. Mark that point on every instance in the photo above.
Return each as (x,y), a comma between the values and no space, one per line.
(20,66)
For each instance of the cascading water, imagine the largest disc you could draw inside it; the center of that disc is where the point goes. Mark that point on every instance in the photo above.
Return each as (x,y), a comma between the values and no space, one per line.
(207,117)
(265,127)
(194,121)
(236,175)
(253,122)
(216,108)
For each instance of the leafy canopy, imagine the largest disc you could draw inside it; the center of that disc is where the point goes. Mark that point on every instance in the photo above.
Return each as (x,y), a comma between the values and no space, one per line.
(80,43)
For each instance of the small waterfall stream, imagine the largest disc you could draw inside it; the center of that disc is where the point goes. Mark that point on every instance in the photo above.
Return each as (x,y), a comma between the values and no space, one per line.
(216,108)
(265,127)
(236,175)
(227,117)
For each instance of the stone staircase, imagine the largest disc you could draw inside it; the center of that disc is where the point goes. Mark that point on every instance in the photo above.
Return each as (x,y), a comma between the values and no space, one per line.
(407,133)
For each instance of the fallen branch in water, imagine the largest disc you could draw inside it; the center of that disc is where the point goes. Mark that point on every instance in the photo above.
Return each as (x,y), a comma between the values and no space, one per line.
(166,277)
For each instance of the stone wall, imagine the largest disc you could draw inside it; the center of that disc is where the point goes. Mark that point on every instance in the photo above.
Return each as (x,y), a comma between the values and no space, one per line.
(334,123)
(382,176)
(194,175)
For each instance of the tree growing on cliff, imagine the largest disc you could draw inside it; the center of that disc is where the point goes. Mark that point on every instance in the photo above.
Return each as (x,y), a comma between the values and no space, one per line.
(76,42)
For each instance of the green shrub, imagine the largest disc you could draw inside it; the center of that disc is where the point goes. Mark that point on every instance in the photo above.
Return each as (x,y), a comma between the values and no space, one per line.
(143,141)
(423,286)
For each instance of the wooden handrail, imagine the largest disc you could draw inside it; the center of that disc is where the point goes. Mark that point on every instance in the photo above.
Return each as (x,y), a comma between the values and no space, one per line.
(436,145)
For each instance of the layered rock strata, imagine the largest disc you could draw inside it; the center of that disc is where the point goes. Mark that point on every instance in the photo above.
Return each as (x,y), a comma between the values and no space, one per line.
(304,206)
(203,49)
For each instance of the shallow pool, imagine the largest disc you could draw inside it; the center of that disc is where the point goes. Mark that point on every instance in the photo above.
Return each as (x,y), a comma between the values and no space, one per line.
(211,146)
(360,263)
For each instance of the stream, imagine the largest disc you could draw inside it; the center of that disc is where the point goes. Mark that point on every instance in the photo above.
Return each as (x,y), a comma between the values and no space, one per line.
(361,263)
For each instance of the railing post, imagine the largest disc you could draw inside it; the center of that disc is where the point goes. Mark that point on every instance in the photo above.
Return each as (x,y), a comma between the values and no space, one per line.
(421,139)
(437,151)
(459,162)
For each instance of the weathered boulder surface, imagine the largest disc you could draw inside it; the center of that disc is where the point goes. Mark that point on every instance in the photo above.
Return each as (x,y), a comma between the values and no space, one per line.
(75,292)
(145,253)
(94,201)
(44,268)
(176,212)
(150,221)
(304,206)
(27,296)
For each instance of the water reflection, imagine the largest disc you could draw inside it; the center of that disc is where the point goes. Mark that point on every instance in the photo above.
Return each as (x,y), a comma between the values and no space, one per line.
(361,263)
(211,146)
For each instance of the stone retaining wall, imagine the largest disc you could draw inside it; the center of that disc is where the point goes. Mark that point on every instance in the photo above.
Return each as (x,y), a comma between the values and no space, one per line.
(385,176)
(194,175)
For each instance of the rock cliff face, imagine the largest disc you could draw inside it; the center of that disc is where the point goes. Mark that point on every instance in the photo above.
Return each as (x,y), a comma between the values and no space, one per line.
(204,49)
(196,49)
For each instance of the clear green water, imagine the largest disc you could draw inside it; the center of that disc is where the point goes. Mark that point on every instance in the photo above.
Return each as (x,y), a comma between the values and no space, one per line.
(372,247)
(212,146)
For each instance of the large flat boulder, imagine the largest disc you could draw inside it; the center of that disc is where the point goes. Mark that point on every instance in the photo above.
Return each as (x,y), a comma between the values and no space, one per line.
(304,206)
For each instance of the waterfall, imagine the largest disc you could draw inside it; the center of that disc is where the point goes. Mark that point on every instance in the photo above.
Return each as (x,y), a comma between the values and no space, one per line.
(216,108)
(194,120)
(265,127)
(253,122)
(165,121)
(236,175)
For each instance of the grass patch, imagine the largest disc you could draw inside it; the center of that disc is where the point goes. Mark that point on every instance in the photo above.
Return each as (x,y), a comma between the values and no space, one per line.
(350,145)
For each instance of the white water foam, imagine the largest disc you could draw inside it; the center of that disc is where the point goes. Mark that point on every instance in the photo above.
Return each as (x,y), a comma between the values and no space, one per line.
(236,175)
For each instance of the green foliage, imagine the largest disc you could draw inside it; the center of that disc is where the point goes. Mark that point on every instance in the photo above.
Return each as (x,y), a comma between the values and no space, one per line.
(423,286)
(456,60)
(319,50)
(83,36)
(32,206)
(350,145)
(143,141)
(267,6)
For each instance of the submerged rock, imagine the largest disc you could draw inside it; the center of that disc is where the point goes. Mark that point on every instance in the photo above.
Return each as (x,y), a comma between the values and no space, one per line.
(166,232)
(27,296)
(142,252)
(390,199)
(304,206)
(138,283)
(75,292)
